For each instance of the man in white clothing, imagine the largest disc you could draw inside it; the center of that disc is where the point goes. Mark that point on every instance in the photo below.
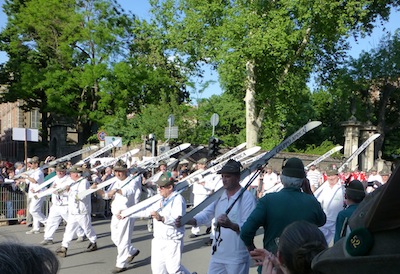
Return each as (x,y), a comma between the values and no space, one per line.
(34,180)
(79,213)
(229,254)
(122,191)
(268,180)
(201,190)
(167,244)
(331,197)
(314,177)
(59,207)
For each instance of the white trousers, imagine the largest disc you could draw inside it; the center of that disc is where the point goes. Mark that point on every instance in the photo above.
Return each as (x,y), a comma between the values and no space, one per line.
(73,224)
(121,234)
(228,268)
(56,215)
(166,257)
(197,199)
(35,209)
(328,229)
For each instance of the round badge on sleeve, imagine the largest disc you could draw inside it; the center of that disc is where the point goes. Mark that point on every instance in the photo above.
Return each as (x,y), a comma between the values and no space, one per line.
(359,242)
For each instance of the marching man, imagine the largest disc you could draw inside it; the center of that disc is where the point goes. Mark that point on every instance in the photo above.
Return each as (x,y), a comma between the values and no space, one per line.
(122,191)
(167,244)
(35,205)
(59,207)
(79,213)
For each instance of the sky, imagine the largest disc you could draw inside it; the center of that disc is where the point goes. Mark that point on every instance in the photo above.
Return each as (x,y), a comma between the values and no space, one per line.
(141,8)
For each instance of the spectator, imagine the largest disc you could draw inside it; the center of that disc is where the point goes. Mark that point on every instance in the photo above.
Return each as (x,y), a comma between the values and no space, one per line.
(22,259)
(299,243)
(315,177)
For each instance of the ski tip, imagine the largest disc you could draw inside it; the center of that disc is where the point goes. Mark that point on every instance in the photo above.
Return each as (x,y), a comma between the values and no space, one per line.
(134,151)
(184,146)
(313,124)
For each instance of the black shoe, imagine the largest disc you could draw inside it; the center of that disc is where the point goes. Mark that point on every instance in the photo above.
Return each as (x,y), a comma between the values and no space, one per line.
(91,247)
(130,258)
(208,230)
(193,236)
(209,242)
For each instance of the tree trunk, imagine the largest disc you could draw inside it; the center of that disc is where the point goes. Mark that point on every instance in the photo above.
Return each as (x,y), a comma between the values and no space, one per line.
(253,123)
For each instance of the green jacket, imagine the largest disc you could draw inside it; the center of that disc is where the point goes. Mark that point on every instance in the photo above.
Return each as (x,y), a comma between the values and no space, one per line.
(275,211)
(343,217)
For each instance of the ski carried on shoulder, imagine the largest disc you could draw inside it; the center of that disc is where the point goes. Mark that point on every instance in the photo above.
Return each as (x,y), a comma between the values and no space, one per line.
(173,163)
(170,152)
(59,160)
(187,155)
(113,161)
(359,150)
(323,157)
(185,183)
(227,154)
(99,152)
(164,156)
(254,166)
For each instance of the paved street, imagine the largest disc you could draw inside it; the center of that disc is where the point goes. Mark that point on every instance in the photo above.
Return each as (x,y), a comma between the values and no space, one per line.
(195,257)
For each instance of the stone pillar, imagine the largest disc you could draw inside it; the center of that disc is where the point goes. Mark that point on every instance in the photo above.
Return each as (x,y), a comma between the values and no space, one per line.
(351,138)
(367,157)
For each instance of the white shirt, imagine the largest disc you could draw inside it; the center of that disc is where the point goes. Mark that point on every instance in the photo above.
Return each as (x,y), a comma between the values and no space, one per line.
(269,180)
(127,198)
(232,249)
(172,207)
(78,207)
(39,178)
(314,176)
(376,177)
(331,199)
(62,198)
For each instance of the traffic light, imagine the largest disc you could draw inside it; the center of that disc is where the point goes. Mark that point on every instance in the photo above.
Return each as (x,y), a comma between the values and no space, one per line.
(150,144)
(213,146)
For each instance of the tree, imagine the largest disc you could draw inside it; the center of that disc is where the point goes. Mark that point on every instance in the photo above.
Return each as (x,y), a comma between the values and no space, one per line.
(372,84)
(265,51)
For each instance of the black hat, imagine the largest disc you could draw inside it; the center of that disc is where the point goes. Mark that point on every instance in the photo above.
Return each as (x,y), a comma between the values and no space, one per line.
(355,190)
(165,179)
(294,167)
(231,166)
(120,166)
(373,246)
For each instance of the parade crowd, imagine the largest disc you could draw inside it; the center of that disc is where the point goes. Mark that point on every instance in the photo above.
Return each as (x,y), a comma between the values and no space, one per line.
(303,213)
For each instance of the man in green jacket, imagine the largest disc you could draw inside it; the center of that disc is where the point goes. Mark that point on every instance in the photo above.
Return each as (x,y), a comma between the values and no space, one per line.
(277,210)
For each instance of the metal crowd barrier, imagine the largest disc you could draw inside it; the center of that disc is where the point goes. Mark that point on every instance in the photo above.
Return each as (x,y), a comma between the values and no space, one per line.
(13,205)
